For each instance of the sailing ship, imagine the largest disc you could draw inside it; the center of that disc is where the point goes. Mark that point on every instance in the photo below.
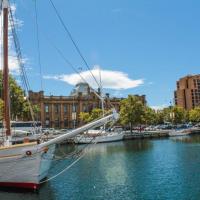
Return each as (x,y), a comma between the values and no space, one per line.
(26,165)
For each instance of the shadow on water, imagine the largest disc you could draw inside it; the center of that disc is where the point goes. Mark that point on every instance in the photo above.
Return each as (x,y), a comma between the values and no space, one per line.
(109,148)
(192,139)
(138,145)
(45,192)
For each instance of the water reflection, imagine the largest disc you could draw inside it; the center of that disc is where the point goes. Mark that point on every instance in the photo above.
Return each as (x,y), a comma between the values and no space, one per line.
(138,145)
(137,169)
(187,139)
(16,194)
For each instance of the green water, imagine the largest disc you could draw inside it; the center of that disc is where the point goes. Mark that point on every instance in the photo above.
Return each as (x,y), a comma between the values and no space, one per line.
(139,169)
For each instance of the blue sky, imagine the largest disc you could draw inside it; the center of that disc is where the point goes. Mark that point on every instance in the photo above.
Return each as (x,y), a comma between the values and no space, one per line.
(154,41)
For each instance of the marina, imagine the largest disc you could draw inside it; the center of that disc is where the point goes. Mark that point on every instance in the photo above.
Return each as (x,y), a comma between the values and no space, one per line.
(135,169)
(85,110)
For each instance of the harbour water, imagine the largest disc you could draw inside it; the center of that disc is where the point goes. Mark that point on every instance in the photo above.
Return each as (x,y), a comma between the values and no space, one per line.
(136,170)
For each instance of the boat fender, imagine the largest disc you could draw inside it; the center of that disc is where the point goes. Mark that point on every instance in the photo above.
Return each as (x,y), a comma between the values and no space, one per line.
(45,149)
(28,153)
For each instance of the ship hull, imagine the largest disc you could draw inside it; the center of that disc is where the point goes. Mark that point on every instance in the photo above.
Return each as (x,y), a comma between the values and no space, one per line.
(24,167)
(182,132)
(113,137)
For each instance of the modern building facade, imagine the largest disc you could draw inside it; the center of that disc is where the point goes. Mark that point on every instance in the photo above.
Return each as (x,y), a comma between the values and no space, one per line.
(187,94)
(63,111)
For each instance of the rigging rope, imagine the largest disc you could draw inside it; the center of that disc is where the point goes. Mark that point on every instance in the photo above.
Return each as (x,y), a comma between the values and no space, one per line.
(81,153)
(20,62)
(61,54)
(38,45)
(73,41)
(65,169)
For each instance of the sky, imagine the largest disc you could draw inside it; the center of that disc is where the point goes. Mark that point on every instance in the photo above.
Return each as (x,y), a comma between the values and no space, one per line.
(135,46)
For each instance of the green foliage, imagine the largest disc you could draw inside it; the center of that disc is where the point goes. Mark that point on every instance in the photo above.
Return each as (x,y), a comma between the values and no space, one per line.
(194,115)
(160,117)
(179,115)
(132,111)
(88,117)
(150,117)
(26,112)
(18,104)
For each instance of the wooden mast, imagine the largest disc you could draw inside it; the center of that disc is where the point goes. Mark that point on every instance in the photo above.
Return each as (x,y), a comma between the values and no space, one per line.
(6,70)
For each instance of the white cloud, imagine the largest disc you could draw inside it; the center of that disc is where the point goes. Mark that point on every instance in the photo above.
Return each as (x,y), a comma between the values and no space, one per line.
(12,59)
(110,79)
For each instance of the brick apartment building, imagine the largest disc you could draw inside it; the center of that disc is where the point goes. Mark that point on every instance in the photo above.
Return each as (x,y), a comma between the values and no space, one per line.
(187,94)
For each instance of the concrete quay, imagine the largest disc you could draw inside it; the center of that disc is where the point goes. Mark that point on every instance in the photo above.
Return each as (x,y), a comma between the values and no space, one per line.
(145,134)
(154,134)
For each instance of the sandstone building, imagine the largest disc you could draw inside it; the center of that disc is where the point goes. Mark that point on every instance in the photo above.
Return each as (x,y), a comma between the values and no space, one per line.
(63,111)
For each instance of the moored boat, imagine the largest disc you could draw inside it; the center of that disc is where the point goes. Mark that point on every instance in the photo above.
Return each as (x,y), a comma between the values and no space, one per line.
(26,165)
(99,138)
(181,132)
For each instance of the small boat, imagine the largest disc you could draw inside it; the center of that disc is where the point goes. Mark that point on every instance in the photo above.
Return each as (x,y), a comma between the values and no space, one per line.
(182,132)
(99,137)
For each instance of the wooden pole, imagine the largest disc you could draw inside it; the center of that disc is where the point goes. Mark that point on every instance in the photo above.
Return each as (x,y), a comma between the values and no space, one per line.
(6,72)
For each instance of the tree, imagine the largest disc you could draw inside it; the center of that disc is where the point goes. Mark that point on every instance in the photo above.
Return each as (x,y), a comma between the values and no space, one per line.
(18,102)
(150,117)
(26,112)
(84,116)
(88,117)
(173,114)
(132,111)
(179,115)
(194,115)
(160,117)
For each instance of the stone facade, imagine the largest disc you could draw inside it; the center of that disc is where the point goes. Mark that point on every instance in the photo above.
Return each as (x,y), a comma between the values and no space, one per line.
(187,94)
(63,111)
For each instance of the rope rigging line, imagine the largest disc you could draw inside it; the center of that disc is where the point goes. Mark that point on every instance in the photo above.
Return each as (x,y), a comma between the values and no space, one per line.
(80,154)
(23,74)
(65,169)
(61,54)
(73,41)
(18,52)
(38,44)
(76,71)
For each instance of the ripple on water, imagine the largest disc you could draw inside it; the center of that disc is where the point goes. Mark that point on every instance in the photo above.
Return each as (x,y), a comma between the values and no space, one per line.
(139,169)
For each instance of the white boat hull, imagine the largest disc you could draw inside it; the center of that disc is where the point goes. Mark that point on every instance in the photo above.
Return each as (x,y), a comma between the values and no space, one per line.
(111,137)
(182,132)
(17,169)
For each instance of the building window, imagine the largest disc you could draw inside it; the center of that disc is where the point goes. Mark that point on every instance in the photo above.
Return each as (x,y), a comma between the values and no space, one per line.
(194,83)
(187,83)
(57,123)
(65,123)
(57,108)
(85,109)
(74,124)
(65,108)
(74,116)
(46,108)
(74,108)
(47,122)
